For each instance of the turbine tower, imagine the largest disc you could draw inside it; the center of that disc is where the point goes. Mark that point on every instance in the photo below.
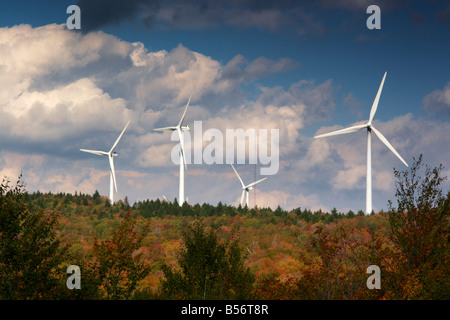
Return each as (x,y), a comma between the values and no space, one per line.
(180,129)
(246,188)
(370,129)
(111,154)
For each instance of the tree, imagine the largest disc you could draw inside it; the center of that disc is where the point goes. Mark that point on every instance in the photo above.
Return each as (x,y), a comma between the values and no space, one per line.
(210,269)
(337,269)
(126,203)
(419,227)
(118,265)
(96,197)
(31,252)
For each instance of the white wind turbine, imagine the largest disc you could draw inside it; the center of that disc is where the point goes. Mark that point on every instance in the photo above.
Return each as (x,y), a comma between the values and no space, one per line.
(370,129)
(180,128)
(111,154)
(246,188)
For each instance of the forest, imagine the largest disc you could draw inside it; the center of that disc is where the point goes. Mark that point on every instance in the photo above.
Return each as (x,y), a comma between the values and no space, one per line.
(158,250)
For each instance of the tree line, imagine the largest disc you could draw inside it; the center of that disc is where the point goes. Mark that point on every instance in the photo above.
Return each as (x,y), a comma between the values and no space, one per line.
(411,246)
(96,204)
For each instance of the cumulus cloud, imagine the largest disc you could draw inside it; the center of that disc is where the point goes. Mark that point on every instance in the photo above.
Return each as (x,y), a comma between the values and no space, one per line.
(80,91)
(438,101)
(61,98)
(342,166)
(49,90)
(61,112)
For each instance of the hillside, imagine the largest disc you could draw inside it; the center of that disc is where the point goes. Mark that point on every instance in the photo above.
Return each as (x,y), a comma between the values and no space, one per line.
(291,255)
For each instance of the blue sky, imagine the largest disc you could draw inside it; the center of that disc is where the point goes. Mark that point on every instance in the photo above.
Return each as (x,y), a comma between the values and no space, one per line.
(318,61)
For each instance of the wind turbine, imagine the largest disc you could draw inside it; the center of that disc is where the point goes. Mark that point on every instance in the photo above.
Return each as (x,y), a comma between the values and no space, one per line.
(370,129)
(111,154)
(180,129)
(246,188)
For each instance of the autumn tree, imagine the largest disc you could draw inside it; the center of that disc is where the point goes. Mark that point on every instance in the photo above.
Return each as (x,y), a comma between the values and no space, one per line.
(115,266)
(208,268)
(419,227)
(337,268)
(31,252)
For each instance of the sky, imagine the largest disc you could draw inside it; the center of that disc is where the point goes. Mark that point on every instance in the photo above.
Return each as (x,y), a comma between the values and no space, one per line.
(300,67)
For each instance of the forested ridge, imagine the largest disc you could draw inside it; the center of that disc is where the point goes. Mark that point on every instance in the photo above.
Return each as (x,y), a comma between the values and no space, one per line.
(155,249)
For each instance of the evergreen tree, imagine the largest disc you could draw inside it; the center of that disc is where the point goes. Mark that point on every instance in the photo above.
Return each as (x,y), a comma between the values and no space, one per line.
(96,197)
(209,269)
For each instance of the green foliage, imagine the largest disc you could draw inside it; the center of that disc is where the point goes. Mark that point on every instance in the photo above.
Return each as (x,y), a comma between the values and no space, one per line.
(209,269)
(30,250)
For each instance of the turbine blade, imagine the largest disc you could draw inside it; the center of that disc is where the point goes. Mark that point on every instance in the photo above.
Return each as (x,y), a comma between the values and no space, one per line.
(343,131)
(242,196)
(184,114)
(120,136)
(242,183)
(180,135)
(373,110)
(386,142)
(165,129)
(99,153)
(111,166)
(254,183)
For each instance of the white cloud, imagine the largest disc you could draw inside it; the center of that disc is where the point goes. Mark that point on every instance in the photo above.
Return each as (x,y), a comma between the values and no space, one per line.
(343,171)
(64,111)
(438,101)
(79,92)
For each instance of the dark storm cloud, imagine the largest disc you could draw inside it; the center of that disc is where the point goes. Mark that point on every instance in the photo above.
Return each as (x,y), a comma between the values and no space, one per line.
(100,13)
(300,15)
(444,15)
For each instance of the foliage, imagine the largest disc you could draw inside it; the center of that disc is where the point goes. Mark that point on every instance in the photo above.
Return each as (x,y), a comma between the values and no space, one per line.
(158,250)
(338,268)
(31,252)
(115,265)
(419,226)
(209,269)
(271,287)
